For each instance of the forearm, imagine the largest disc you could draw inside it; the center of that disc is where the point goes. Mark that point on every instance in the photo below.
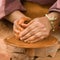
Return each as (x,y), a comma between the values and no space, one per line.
(16,15)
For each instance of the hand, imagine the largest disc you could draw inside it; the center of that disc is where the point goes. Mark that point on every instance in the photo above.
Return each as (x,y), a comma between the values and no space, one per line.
(19,25)
(38,29)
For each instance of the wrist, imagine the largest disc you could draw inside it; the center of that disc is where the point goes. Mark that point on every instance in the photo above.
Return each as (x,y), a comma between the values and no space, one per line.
(55,14)
(57,21)
(16,15)
(53,17)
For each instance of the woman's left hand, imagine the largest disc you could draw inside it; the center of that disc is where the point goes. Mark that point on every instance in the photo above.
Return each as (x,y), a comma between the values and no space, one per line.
(38,29)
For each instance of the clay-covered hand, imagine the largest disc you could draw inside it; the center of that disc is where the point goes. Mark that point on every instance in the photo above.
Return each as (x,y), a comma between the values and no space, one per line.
(19,25)
(38,29)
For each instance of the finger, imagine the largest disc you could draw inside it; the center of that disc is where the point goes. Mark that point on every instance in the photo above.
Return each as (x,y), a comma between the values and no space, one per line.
(30,22)
(16,23)
(28,29)
(16,30)
(16,35)
(36,36)
(24,25)
(24,21)
(20,21)
(36,40)
(31,33)
(18,26)
(31,27)
(33,21)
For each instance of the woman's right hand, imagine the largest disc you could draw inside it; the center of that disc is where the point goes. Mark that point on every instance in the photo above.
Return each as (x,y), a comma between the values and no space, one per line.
(20,25)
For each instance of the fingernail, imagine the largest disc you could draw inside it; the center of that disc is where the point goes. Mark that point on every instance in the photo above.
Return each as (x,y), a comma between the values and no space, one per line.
(25,41)
(21,38)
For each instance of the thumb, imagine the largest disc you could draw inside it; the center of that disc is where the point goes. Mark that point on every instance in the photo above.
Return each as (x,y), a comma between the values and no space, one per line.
(24,25)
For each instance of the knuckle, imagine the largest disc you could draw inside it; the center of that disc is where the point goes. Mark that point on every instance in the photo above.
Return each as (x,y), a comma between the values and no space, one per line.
(31,33)
(37,22)
(42,37)
(16,31)
(37,35)
(17,35)
(15,22)
(47,33)
(32,38)
(29,28)
(17,27)
(28,35)
(44,29)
